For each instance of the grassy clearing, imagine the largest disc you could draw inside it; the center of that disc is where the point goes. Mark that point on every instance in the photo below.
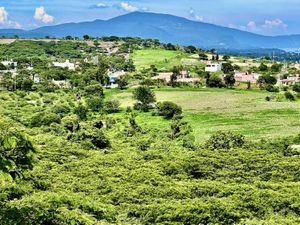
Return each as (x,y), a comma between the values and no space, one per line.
(211,110)
(162,59)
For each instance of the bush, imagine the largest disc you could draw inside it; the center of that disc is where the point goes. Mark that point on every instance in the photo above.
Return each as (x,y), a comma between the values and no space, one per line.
(272,88)
(61,109)
(71,122)
(225,140)
(81,111)
(94,103)
(45,119)
(49,118)
(168,109)
(92,135)
(112,106)
(289,96)
(296,88)
(95,89)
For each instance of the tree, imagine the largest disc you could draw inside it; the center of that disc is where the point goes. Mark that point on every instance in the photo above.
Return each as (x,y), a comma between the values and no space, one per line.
(263,67)
(168,109)
(16,151)
(95,89)
(145,97)
(276,68)
(86,37)
(8,81)
(203,56)
(229,80)
(266,80)
(226,57)
(296,88)
(227,68)
(191,49)
(175,74)
(122,82)
(101,74)
(214,81)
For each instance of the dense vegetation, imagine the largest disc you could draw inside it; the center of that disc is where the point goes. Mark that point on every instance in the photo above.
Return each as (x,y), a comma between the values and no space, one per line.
(146,153)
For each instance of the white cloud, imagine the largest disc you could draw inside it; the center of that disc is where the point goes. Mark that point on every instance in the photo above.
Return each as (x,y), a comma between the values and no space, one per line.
(251,26)
(267,27)
(194,16)
(127,7)
(41,15)
(271,24)
(3,15)
(5,21)
(100,5)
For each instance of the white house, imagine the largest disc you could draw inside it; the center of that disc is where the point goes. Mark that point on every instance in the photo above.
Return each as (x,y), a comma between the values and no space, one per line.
(213,67)
(67,64)
(9,63)
(113,76)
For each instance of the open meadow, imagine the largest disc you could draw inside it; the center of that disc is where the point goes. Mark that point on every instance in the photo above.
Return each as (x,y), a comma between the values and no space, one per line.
(163,59)
(211,110)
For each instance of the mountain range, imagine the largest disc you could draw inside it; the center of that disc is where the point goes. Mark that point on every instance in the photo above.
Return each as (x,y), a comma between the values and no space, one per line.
(166,28)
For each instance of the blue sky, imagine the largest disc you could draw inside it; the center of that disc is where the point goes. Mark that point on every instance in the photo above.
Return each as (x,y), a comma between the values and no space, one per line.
(269,17)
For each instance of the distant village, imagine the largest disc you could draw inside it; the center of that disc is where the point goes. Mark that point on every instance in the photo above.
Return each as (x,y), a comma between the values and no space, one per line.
(284,76)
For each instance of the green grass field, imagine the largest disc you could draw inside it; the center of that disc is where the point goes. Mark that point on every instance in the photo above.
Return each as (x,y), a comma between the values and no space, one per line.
(162,59)
(211,110)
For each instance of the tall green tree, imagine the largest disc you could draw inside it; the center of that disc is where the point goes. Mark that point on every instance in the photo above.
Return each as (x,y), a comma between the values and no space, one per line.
(145,97)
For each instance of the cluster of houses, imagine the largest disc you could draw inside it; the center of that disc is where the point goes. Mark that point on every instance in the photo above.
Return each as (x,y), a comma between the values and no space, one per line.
(183,76)
(240,77)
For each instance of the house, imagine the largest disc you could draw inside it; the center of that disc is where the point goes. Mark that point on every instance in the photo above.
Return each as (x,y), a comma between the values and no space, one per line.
(9,63)
(14,72)
(290,80)
(67,64)
(113,76)
(245,77)
(29,68)
(61,83)
(213,67)
(36,78)
(183,76)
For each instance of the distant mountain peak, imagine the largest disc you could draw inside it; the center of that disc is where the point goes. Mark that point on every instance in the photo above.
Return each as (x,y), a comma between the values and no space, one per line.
(166,28)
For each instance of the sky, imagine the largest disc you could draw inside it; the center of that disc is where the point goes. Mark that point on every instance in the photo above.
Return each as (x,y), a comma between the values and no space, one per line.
(267,17)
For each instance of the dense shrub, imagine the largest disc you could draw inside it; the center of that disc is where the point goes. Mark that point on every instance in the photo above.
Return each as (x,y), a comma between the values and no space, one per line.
(71,122)
(112,106)
(16,152)
(95,103)
(93,135)
(61,109)
(45,119)
(272,88)
(289,96)
(168,109)
(95,89)
(225,140)
(296,88)
(81,111)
